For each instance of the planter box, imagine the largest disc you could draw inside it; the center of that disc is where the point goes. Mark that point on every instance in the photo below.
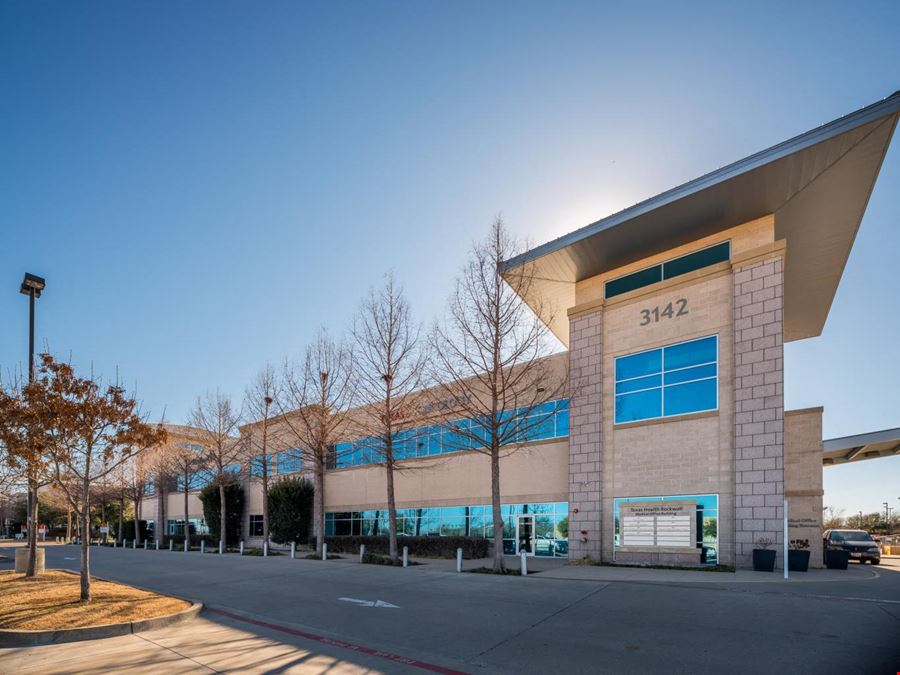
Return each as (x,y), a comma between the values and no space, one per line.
(763,560)
(798,561)
(837,560)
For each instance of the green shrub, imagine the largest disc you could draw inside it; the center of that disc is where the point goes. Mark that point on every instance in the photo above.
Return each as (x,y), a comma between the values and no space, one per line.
(234,509)
(128,530)
(290,510)
(375,559)
(424,547)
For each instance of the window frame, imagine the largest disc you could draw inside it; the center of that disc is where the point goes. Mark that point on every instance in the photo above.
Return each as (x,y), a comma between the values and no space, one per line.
(662,377)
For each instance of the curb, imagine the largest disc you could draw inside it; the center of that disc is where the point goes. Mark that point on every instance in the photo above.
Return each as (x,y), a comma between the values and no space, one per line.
(35,638)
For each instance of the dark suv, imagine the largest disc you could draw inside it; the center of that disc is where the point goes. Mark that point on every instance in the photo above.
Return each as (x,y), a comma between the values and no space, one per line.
(860,545)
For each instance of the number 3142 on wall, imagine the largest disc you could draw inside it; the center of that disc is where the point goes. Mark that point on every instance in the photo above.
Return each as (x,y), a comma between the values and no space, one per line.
(655,314)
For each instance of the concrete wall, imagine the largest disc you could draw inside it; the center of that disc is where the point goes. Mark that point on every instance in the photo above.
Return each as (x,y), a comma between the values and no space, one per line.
(803,479)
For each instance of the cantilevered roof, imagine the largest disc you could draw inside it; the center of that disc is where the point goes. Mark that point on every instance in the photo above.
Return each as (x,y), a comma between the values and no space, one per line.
(862,446)
(817,184)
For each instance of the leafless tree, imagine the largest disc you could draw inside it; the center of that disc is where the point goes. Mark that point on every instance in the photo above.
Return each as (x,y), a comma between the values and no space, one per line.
(218,422)
(259,399)
(490,359)
(390,371)
(187,462)
(137,474)
(316,395)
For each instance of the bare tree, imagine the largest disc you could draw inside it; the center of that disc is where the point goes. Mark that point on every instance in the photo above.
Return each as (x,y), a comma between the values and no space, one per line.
(160,471)
(137,475)
(490,357)
(389,375)
(259,398)
(94,429)
(316,395)
(187,463)
(218,422)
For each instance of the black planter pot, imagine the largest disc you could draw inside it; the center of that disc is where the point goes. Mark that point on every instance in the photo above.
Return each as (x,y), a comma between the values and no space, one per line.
(763,560)
(837,560)
(798,561)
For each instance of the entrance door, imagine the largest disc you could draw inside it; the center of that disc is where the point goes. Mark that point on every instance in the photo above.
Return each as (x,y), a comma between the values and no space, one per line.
(525,535)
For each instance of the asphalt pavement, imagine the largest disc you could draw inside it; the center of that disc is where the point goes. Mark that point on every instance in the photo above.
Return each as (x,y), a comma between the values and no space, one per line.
(368,618)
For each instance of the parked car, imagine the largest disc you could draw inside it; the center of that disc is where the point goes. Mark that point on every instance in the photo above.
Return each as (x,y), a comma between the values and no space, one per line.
(857,543)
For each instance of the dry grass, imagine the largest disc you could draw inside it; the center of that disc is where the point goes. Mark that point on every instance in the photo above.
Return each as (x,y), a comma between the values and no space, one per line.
(51,602)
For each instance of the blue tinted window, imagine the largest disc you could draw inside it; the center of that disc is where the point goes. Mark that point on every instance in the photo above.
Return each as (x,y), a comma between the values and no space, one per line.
(256,466)
(669,269)
(685,381)
(290,461)
(634,280)
(638,365)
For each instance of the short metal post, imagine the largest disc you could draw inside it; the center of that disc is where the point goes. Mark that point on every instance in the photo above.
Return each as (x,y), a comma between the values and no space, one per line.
(265,549)
(171,544)
(459,560)
(157,544)
(362,552)
(186,544)
(242,547)
(406,556)
(134,544)
(114,543)
(202,546)
(145,544)
(221,547)
(293,550)
(524,557)
(324,551)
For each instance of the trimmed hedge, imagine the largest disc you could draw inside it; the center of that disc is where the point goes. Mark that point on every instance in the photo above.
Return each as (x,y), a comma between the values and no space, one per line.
(424,547)
(211,541)
(128,530)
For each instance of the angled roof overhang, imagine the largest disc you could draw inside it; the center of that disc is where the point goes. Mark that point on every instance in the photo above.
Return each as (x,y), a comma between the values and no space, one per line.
(862,446)
(817,185)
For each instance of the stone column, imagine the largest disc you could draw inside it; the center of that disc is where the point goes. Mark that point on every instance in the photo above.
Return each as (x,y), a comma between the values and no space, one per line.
(585,446)
(759,405)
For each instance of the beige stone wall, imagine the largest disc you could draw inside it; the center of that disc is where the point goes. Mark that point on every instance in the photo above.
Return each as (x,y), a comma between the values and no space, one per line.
(759,404)
(803,478)
(534,473)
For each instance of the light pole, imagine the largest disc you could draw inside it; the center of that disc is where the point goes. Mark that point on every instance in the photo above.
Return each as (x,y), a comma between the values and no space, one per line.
(32,286)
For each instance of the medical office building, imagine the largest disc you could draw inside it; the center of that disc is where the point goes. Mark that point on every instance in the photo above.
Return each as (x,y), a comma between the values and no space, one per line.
(675,447)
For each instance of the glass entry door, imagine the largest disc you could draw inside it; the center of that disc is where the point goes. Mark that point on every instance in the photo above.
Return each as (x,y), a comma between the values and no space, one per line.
(525,535)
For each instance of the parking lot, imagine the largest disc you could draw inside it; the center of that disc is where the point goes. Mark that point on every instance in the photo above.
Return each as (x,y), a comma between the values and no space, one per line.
(344,617)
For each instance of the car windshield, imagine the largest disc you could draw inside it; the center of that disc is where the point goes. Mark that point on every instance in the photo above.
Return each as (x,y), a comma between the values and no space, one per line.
(852,535)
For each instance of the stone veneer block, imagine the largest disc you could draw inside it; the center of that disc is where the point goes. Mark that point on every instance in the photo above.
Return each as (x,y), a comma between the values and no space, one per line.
(759,406)
(585,441)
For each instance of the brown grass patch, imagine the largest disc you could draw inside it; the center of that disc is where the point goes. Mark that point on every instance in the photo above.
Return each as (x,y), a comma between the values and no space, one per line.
(51,602)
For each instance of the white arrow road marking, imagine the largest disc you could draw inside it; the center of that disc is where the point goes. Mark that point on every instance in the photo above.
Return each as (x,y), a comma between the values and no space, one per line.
(71,558)
(369,603)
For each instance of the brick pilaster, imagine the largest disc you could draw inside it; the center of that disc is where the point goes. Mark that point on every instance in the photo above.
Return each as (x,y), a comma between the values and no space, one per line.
(585,446)
(759,406)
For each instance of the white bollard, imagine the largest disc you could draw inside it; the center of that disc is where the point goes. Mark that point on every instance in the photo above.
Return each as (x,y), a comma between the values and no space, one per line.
(221,547)
(242,547)
(171,544)
(134,544)
(324,551)
(459,560)
(114,543)
(406,556)
(293,550)
(186,544)
(524,564)
(362,552)
(145,544)
(265,549)
(157,544)
(202,546)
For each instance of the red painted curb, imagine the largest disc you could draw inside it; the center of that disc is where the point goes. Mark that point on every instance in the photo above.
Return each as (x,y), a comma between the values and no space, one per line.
(396,658)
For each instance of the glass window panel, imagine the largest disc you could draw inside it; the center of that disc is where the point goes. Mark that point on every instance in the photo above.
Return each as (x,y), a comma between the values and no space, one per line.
(690,397)
(695,373)
(562,422)
(691,353)
(638,365)
(639,383)
(634,280)
(640,406)
(697,260)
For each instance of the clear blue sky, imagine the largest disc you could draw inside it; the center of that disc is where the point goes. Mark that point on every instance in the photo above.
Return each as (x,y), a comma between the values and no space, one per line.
(204,184)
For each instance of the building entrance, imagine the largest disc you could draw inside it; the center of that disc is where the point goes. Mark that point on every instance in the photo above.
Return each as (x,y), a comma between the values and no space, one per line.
(525,535)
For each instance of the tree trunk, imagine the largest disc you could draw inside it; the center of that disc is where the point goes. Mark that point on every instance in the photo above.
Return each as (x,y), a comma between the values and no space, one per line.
(319,502)
(391,503)
(137,521)
(222,529)
(32,528)
(495,504)
(85,542)
(120,535)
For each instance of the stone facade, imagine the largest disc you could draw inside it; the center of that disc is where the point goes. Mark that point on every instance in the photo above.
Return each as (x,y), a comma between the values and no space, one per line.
(585,442)
(759,405)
